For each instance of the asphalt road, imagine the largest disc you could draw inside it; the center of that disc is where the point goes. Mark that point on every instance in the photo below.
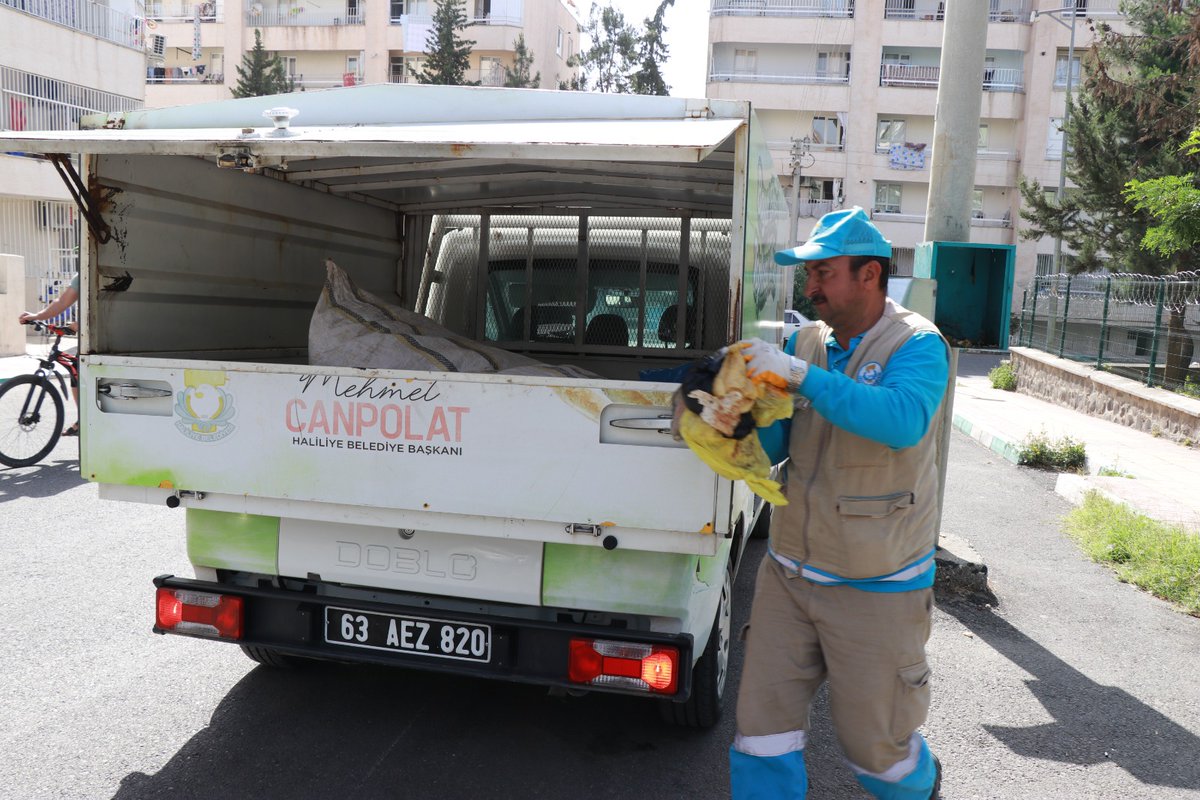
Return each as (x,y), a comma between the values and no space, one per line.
(1075,686)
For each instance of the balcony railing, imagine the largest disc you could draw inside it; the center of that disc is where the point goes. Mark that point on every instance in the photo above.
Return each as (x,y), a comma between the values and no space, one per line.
(761,77)
(198,74)
(998,11)
(305,81)
(816,147)
(980,221)
(512,18)
(87,17)
(783,8)
(185,10)
(30,102)
(896,216)
(913,75)
(814,208)
(270,17)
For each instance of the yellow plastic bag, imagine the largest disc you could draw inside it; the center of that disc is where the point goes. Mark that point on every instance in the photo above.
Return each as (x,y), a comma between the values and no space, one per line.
(708,434)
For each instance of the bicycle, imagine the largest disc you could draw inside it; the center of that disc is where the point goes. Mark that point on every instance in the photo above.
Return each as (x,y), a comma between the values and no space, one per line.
(32,407)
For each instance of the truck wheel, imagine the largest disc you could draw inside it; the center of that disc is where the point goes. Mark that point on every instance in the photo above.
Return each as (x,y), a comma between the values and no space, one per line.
(703,707)
(762,525)
(271,658)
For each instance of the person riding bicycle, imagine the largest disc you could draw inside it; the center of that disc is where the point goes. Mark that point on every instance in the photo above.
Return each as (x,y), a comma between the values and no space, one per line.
(68,298)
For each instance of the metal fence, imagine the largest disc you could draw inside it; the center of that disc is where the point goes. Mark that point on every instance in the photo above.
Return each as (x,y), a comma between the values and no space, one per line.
(88,17)
(1140,326)
(46,234)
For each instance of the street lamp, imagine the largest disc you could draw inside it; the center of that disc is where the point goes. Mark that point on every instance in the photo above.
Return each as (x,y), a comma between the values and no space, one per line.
(1073,10)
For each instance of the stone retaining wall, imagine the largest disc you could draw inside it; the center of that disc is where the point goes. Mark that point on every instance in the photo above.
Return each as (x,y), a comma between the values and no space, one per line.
(1106,396)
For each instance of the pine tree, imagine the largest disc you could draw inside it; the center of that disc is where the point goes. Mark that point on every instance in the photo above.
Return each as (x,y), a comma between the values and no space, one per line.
(260,73)
(1130,122)
(611,57)
(518,77)
(447,55)
(653,52)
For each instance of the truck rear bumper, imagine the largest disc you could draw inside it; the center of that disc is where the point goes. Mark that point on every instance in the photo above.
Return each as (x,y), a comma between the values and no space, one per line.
(481,645)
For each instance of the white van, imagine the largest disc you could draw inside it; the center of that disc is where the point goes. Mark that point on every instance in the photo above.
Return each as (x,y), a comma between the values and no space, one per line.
(527,528)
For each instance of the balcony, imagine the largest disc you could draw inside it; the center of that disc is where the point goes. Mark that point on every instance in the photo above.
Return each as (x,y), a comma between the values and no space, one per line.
(814,208)
(259,17)
(815,147)
(30,102)
(184,11)
(1007,11)
(815,77)
(926,77)
(783,8)
(304,81)
(87,17)
(199,74)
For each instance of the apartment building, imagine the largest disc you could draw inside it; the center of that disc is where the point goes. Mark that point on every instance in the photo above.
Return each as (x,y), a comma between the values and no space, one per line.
(858,79)
(59,60)
(196,45)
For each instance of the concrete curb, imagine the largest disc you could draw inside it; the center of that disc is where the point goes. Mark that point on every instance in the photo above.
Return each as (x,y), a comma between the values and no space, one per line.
(999,445)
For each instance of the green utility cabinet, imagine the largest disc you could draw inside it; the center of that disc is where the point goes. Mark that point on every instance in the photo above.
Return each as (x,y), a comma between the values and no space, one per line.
(974,290)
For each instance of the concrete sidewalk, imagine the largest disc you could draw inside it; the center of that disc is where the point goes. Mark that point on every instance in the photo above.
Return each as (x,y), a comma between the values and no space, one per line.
(1162,473)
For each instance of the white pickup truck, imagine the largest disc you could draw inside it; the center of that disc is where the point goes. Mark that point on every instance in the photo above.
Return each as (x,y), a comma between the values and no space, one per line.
(527,528)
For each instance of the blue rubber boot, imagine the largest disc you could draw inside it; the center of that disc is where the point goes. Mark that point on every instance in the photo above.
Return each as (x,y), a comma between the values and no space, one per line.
(920,784)
(768,777)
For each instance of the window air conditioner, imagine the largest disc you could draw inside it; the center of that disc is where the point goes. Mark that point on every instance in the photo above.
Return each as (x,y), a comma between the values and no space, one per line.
(156,44)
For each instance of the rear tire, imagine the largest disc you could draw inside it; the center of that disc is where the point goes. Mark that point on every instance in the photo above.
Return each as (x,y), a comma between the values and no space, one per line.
(703,708)
(29,425)
(271,658)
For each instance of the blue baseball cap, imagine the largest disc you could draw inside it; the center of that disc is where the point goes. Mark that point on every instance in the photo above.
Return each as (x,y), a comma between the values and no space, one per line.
(847,232)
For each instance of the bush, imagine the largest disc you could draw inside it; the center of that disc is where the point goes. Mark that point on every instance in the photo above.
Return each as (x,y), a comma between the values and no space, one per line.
(1004,377)
(1062,455)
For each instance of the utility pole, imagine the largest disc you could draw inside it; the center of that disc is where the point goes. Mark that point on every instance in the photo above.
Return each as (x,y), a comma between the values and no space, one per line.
(956,122)
(801,157)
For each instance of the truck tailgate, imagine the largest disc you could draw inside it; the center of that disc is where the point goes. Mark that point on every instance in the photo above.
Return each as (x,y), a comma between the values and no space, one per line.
(521,457)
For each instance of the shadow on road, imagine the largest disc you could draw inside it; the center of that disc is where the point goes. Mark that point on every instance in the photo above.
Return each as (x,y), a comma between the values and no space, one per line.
(46,479)
(1092,723)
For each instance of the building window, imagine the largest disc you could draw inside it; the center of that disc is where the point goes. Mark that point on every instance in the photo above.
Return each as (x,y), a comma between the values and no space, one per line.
(977,203)
(889,132)
(744,60)
(825,131)
(289,65)
(558,44)
(1060,70)
(833,65)
(983,137)
(491,72)
(887,198)
(352,63)
(397,10)
(1054,139)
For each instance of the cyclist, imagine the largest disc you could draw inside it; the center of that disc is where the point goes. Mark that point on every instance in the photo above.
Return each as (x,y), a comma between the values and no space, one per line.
(68,298)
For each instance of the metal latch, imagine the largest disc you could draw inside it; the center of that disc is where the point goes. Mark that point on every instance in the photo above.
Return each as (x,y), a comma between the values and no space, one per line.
(583,529)
(698,108)
(661,423)
(174,499)
(130,391)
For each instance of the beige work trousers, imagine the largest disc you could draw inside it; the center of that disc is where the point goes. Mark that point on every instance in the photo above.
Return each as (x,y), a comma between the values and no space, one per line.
(869,645)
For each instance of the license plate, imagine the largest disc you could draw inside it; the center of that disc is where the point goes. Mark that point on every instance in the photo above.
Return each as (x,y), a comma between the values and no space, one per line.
(421,636)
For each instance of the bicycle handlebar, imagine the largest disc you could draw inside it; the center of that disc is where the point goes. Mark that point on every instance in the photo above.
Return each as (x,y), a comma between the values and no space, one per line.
(46,327)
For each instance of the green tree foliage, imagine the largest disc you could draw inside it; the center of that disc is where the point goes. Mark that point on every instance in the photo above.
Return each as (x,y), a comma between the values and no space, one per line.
(611,57)
(1130,121)
(447,54)
(261,74)
(1174,203)
(620,57)
(653,52)
(518,77)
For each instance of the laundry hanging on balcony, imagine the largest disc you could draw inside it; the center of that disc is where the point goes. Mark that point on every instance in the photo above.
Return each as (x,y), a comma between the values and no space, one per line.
(907,156)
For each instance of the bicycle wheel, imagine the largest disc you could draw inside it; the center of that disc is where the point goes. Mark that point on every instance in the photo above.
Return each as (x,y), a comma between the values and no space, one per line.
(31,420)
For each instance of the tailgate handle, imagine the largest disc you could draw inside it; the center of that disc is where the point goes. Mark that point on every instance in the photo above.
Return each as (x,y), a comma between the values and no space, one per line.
(661,423)
(131,391)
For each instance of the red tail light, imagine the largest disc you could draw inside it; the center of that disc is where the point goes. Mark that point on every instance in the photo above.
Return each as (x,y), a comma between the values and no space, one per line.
(624,665)
(199,613)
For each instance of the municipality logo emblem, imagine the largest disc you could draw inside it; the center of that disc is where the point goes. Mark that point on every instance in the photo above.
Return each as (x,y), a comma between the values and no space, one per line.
(203,407)
(870,373)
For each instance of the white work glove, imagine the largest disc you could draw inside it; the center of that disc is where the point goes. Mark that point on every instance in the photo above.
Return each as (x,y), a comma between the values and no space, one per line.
(766,363)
